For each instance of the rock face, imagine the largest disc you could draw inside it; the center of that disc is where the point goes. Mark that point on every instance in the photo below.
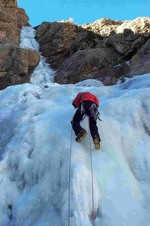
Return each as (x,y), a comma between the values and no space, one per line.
(79,66)
(60,40)
(16,65)
(140,62)
(77,52)
(11,20)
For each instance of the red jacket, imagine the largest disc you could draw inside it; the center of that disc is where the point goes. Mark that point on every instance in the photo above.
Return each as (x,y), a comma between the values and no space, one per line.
(84,96)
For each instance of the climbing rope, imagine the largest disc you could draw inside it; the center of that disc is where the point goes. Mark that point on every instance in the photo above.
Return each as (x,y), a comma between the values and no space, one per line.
(69,189)
(69,177)
(92,181)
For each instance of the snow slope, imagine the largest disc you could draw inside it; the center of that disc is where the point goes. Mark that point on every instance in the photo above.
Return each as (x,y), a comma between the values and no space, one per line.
(35,143)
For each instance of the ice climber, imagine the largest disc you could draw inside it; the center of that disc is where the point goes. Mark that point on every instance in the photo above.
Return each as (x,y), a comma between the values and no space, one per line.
(87,104)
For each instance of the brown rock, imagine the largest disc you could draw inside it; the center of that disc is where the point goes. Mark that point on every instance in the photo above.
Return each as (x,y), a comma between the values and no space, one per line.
(16,64)
(61,43)
(11,20)
(85,64)
(8,3)
(112,74)
(60,40)
(22,18)
(10,32)
(140,62)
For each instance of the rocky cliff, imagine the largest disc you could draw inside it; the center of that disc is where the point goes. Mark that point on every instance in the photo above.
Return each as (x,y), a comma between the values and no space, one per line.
(106,50)
(16,64)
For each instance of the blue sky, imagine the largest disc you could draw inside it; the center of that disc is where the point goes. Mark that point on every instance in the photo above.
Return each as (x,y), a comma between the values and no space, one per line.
(83,11)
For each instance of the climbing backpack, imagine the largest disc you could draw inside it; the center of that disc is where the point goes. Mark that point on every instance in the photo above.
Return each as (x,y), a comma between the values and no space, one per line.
(84,96)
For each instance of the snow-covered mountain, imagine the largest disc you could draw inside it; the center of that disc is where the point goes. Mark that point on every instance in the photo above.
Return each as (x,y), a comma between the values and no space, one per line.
(40,186)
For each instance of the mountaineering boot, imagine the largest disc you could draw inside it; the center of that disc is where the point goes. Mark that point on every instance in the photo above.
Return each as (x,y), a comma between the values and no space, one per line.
(97,143)
(81,135)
